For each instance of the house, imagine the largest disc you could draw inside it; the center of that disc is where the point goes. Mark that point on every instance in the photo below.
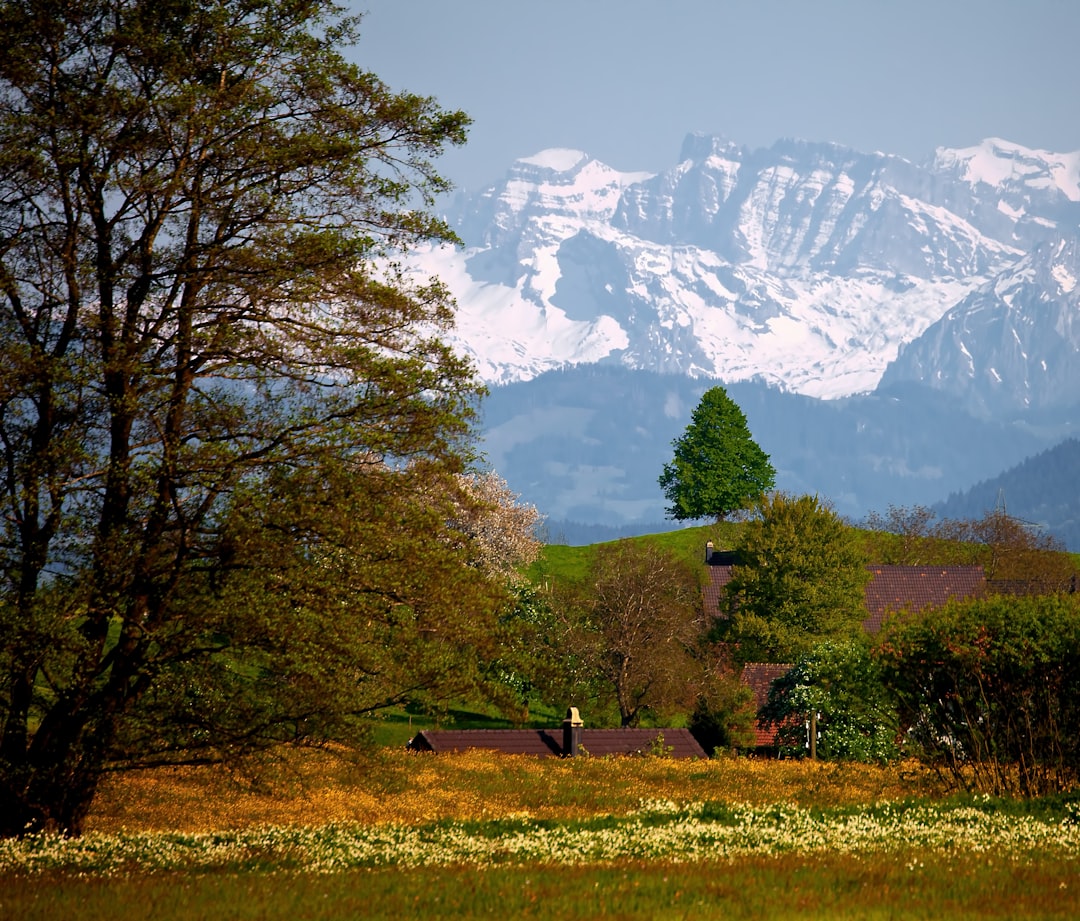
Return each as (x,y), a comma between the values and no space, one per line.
(890,590)
(571,740)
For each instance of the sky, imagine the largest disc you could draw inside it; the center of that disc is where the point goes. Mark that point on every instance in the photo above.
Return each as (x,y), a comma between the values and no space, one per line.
(626,80)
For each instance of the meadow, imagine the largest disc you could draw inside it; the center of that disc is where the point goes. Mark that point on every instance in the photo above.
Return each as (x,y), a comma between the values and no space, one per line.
(394,835)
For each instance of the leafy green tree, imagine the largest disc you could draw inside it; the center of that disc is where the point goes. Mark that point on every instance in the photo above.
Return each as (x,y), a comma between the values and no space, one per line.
(222,407)
(717,468)
(725,713)
(841,683)
(988,691)
(799,581)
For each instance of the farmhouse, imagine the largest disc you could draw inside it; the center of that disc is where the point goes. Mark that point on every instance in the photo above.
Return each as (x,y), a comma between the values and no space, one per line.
(890,590)
(571,740)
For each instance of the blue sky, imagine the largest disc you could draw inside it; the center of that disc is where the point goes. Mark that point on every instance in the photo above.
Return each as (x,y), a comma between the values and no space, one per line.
(626,80)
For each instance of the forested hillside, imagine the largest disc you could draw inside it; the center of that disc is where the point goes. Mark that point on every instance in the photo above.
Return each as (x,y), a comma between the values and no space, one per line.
(1041,490)
(587,445)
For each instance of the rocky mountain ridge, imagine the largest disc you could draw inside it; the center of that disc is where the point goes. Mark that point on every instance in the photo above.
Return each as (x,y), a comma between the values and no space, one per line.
(808,266)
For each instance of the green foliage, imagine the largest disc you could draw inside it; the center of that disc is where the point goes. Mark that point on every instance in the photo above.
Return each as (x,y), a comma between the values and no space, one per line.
(629,634)
(223,409)
(724,714)
(717,468)
(842,683)
(989,691)
(799,581)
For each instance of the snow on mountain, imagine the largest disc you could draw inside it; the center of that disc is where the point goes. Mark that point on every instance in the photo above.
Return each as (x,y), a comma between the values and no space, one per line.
(1012,345)
(504,330)
(808,266)
(894,331)
(1003,165)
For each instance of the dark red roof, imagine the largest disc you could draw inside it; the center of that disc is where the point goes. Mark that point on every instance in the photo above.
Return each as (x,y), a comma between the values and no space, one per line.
(759,676)
(717,576)
(915,588)
(676,743)
(511,741)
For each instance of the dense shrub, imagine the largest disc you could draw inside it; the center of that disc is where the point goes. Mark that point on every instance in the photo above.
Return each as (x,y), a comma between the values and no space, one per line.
(989,691)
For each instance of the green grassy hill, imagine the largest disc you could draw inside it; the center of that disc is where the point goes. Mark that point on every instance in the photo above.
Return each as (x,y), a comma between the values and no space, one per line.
(559,562)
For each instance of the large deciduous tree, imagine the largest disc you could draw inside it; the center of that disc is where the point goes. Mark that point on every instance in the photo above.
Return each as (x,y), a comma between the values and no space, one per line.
(718,468)
(222,408)
(799,580)
(630,633)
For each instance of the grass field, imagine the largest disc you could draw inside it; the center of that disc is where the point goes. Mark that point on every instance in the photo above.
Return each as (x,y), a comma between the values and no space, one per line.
(482,835)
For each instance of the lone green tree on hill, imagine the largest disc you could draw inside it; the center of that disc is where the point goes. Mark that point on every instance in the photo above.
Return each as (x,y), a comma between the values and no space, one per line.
(718,468)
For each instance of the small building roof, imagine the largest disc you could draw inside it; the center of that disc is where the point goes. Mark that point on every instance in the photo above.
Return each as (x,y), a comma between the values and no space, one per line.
(511,741)
(717,575)
(916,588)
(675,743)
(759,676)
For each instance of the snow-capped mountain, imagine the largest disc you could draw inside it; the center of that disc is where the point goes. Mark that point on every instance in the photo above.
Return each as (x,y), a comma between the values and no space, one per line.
(1011,346)
(811,267)
(895,332)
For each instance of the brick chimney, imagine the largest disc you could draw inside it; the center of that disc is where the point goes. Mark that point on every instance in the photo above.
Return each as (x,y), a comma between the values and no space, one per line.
(571,733)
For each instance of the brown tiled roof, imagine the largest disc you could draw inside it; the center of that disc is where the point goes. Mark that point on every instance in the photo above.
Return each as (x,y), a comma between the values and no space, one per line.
(716,577)
(759,676)
(677,743)
(915,588)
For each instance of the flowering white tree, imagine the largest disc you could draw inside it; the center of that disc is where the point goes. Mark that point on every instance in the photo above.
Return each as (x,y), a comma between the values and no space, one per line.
(501,529)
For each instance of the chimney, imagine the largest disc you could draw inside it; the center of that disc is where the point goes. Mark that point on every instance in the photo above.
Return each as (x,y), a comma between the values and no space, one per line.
(571,733)
(708,552)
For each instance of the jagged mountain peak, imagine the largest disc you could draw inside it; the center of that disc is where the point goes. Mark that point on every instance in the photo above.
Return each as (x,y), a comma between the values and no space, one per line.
(555,159)
(1011,347)
(808,265)
(1004,165)
(935,305)
(698,146)
(559,183)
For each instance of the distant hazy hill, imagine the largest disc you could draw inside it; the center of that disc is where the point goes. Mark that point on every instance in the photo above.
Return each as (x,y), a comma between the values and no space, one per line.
(1043,490)
(586,446)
